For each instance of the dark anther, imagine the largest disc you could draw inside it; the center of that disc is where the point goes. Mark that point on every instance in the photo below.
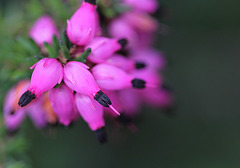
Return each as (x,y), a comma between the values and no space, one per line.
(101,135)
(140,65)
(26,98)
(102,99)
(123,42)
(138,83)
(91,1)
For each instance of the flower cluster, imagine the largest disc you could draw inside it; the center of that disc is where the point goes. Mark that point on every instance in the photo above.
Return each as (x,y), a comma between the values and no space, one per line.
(92,72)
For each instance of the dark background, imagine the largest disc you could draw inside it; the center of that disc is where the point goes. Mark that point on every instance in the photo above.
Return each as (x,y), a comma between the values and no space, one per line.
(204,56)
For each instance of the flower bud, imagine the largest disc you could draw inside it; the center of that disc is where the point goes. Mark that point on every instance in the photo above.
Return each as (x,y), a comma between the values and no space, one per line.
(122,62)
(103,48)
(83,25)
(12,113)
(119,28)
(43,30)
(62,99)
(92,113)
(113,78)
(37,114)
(154,60)
(78,78)
(140,21)
(47,73)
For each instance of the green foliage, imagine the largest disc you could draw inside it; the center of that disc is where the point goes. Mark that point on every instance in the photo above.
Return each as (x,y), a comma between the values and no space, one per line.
(84,55)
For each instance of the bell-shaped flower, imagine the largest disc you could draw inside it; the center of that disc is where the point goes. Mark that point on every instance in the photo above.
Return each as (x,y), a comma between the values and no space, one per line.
(153,60)
(78,78)
(110,77)
(51,116)
(92,113)
(140,21)
(62,99)
(12,113)
(122,62)
(149,6)
(12,117)
(119,28)
(83,25)
(153,78)
(43,30)
(37,114)
(131,102)
(103,48)
(47,73)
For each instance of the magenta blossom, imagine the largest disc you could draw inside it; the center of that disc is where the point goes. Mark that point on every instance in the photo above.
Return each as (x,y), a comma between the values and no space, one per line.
(153,59)
(12,117)
(103,48)
(43,30)
(119,28)
(110,77)
(47,73)
(140,21)
(149,6)
(62,99)
(78,78)
(37,114)
(83,25)
(121,62)
(92,113)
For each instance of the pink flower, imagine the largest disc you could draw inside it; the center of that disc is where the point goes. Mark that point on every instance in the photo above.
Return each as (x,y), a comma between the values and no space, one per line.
(131,102)
(83,25)
(103,48)
(154,60)
(62,103)
(78,78)
(158,97)
(113,78)
(151,77)
(47,73)
(140,21)
(43,30)
(119,28)
(14,115)
(122,62)
(37,114)
(92,113)
(149,6)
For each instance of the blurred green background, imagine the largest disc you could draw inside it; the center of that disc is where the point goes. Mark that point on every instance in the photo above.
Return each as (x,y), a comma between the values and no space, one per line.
(204,56)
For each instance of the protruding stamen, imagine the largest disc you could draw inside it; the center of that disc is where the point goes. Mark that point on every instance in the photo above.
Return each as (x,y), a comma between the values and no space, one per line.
(138,83)
(101,135)
(123,42)
(114,110)
(26,98)
(140,65)
(91,1)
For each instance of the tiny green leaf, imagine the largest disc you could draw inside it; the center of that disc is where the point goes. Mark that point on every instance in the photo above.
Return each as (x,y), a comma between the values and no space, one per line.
(84,55)
(64,49)
(50,50)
